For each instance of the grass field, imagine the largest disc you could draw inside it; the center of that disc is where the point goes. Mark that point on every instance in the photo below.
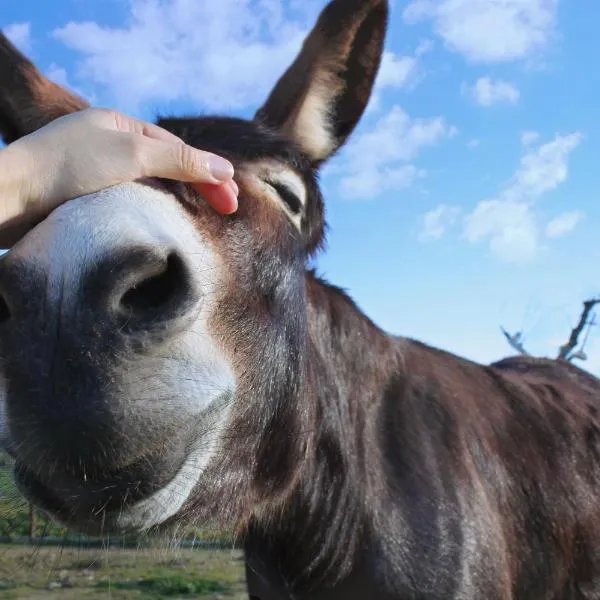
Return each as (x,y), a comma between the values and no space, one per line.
(31,572)
(74,571)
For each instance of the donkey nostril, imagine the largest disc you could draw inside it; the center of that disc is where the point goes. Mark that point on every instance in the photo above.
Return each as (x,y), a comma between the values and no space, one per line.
(4,310)
(167,288)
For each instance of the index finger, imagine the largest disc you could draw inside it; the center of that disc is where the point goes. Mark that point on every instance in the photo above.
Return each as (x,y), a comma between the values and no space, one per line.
(223,198)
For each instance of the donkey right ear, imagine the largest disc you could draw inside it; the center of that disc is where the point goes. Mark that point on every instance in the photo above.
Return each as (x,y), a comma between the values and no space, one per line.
(319,100)
(28,100)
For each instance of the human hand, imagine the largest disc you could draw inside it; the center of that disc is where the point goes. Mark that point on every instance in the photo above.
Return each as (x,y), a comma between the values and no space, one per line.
(90,150)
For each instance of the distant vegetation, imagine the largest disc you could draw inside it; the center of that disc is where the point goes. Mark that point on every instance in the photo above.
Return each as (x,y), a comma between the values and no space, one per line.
(16,518)
(15,511)
(63,564)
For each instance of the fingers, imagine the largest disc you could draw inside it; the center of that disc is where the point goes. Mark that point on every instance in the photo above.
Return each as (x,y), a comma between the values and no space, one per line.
(159,153)
(159,158)
(223,198)
(211,175)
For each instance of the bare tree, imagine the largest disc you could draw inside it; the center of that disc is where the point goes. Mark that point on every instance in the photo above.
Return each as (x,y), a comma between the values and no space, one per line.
(515,340)
(568,350)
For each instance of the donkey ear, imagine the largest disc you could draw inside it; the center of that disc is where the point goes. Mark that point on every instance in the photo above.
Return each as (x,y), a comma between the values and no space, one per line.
(28,100)
(321,97)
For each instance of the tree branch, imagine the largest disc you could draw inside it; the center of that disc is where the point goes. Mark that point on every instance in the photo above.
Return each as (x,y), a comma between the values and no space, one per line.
(573,340)
(515,341)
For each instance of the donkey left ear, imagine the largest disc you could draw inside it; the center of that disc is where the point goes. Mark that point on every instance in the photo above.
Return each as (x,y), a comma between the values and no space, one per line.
(28,100)
(319,100)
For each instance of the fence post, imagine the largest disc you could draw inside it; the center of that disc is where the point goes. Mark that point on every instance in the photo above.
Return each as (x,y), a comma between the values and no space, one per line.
(32,522)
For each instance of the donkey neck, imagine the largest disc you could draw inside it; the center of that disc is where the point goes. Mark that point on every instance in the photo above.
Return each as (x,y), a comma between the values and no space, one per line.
(347,343)
(351,361)
(347,365)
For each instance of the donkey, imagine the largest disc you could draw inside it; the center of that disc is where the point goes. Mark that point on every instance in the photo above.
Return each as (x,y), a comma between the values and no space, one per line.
(164,364)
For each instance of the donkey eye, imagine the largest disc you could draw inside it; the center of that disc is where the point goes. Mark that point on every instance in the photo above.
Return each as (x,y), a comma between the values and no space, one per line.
(290,198)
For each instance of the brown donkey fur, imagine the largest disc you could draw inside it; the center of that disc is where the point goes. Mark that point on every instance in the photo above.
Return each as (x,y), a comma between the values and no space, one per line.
(352,463)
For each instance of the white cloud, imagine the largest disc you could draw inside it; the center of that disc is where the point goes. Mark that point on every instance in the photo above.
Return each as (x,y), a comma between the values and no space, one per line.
(437,221)
(374,180)
(397,137)
(20,35)
(487,92)
(379,158)
(400,71)
(219,55)
(222,56)
(489,31)
(563,224)
(424,47)
(397,72)
(509,226)
(509,222)
(473,143)
(529,137)
(544,168)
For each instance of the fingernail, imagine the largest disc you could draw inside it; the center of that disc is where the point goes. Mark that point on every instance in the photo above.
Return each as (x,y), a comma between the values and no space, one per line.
(220,169)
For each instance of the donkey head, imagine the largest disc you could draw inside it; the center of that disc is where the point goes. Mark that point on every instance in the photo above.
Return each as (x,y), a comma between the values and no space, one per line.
(151,349)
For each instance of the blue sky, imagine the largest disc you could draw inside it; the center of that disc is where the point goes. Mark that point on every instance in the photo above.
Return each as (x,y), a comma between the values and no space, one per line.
(468,198)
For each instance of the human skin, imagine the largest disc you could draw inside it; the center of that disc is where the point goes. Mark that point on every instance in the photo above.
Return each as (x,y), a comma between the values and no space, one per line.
(93,149)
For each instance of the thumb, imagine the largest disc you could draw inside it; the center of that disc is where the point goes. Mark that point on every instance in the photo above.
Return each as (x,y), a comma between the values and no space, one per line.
(159,158)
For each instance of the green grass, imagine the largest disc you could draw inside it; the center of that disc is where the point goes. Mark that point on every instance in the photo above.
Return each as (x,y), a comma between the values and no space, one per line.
(76,571)
(32,573)
(170,585)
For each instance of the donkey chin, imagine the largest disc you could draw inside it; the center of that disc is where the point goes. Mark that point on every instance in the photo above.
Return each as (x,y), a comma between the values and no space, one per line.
(116,406)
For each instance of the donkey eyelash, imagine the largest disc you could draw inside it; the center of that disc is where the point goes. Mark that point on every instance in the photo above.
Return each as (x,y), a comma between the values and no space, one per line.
(293,202)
